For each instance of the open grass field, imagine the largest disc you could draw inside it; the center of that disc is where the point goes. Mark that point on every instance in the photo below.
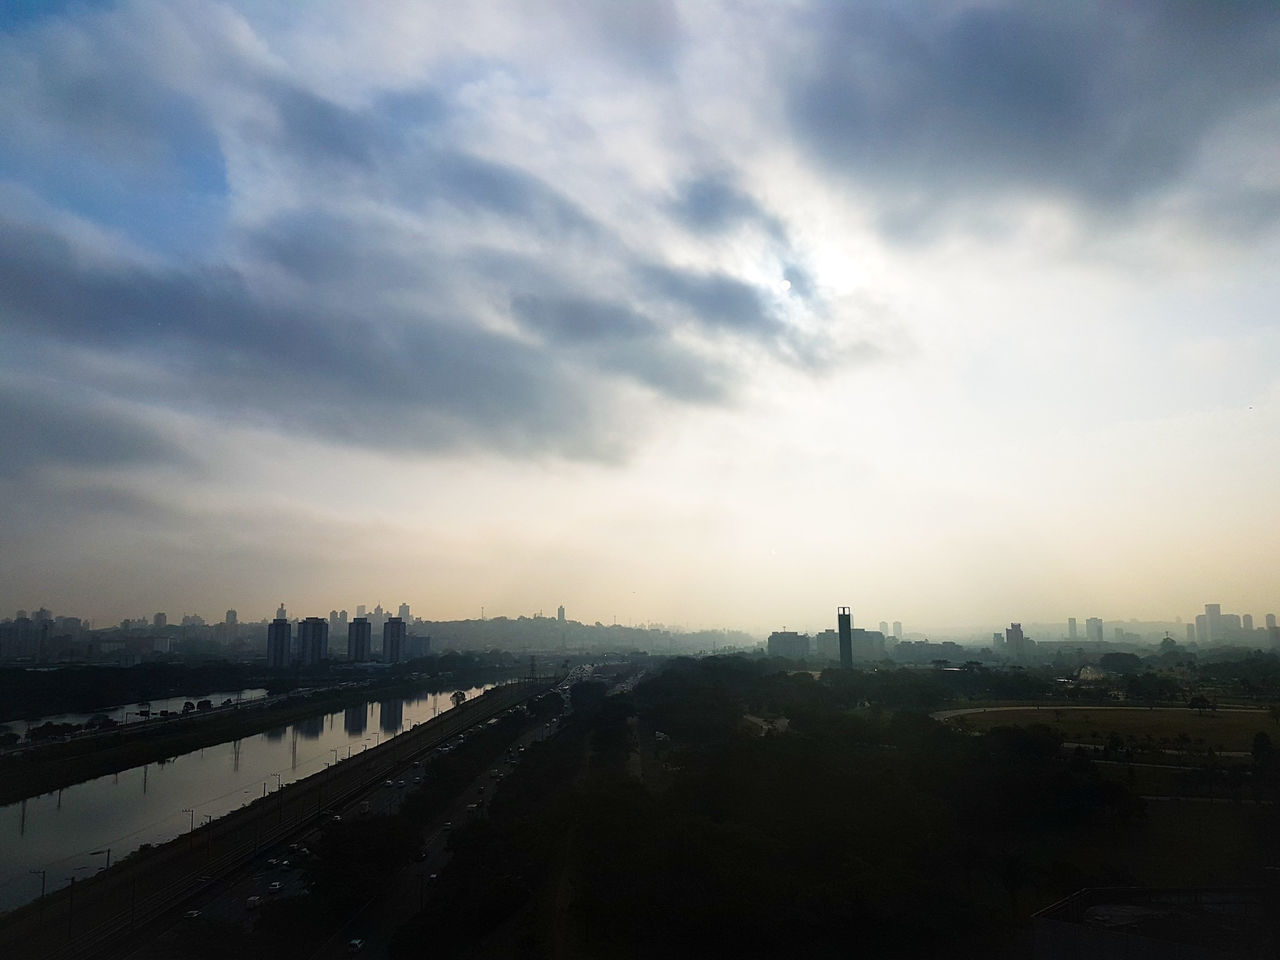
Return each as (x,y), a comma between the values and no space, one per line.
(1230,730)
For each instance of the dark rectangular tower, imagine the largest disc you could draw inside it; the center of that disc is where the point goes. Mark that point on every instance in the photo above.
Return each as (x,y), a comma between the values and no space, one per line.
(845,621)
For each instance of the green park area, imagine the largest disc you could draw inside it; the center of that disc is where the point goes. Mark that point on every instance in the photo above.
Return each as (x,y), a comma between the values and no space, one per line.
(1155,729)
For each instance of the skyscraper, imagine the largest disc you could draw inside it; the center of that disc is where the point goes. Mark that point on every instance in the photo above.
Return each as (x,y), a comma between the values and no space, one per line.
(1213,622)
(404,613)
(393,640)
(844,621)
(1271,621)
(359,640)
(884,627)
(313,640)
(281,613)
(1016,641)
(1093,629)
(1071,628)
(278,644)
(159,621)
(231,618)
(897,629)
(560,613)
(1246,623)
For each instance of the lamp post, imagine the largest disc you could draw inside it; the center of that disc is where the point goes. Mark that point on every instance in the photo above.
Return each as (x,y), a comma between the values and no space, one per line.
(97,853)
(193,817)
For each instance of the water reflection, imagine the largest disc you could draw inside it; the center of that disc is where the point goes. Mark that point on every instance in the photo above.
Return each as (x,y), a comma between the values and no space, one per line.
(392,715)
(311,728)
(355,719)
(56,832)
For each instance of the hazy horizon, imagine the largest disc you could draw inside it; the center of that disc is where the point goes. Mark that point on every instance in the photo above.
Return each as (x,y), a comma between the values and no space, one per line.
(708,314)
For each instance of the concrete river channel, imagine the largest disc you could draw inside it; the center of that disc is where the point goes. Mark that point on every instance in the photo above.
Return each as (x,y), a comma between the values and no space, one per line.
(48,840)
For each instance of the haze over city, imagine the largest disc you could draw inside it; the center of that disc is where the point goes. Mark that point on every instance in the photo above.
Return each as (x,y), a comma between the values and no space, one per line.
(706,314)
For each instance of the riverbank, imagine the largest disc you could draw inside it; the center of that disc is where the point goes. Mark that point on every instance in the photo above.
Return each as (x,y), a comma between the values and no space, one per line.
(53,766)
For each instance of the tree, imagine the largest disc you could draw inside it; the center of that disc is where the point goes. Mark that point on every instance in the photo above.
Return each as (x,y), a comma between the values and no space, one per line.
(1199,703)
(459,697)
(1274,712)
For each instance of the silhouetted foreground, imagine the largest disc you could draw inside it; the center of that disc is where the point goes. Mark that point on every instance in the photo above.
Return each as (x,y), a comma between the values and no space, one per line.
(726,809)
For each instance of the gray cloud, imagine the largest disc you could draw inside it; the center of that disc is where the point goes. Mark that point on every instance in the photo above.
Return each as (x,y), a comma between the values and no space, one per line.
(43,423)
(712,204)
(1100,105)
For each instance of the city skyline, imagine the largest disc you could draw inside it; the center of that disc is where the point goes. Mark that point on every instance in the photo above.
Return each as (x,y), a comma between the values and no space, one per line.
(1213,626)
(709,314)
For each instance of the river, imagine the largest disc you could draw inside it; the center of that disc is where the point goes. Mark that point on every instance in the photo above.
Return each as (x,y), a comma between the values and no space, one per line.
(68,833)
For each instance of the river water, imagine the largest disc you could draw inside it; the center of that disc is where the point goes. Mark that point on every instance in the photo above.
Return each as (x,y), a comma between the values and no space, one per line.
(128,712)
(67,834)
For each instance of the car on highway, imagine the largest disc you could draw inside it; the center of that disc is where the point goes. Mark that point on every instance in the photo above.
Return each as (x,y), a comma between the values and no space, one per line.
(275,886)
(355,946)
(191,915)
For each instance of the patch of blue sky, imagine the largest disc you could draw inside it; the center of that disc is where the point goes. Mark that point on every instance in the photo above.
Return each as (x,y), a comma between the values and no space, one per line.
(172,200)
(16,15)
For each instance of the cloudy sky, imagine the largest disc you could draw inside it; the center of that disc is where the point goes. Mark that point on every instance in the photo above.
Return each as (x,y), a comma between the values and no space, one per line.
(708,314)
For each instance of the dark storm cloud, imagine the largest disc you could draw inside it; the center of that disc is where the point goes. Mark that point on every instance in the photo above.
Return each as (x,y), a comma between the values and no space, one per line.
(1102,105)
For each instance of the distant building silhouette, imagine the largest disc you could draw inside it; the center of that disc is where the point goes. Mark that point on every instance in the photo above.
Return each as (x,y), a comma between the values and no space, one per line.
(359,640)
(844,622)
(313,641)
(278,635)
(897,629)
(789,644)
(404,613)
(560,613)
(281,613)
(1093,629)
(1016,642)
(159,621)
(393,640)
(884,628)
(867,644)
(1191,633)
(1271,621)
(1071,628)
(1246,623)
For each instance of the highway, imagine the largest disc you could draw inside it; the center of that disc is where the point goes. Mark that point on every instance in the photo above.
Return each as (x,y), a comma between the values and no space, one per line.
(138,896)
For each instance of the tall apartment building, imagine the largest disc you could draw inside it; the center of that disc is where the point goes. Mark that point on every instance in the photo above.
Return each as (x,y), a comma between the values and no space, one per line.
(359,640)
(278,635)
(313,641)
(393,632)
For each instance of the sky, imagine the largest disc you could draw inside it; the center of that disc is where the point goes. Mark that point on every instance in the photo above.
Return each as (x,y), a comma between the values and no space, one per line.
(709,314)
